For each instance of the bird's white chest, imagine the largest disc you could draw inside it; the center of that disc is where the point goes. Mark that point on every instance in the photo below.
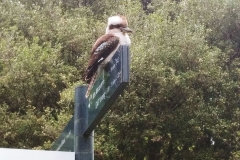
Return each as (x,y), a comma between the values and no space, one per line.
(123,38)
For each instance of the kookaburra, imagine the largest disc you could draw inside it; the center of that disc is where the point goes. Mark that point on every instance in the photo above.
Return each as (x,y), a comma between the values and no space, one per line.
(104,48)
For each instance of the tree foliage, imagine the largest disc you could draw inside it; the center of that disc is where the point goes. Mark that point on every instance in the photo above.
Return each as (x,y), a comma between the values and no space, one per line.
(183,102)
(183,98)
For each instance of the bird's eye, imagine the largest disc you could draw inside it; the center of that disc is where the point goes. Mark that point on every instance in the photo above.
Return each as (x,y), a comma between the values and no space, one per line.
(114,26)
(118,26)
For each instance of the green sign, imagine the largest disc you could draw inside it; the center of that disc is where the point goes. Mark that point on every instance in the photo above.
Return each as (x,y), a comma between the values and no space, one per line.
(105,91)
(108,87)
(65,141)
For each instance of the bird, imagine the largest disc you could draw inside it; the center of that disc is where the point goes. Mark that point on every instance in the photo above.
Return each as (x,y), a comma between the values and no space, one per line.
(105,47)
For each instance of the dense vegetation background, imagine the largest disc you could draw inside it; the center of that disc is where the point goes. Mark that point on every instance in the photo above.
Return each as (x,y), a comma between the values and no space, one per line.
(183,101)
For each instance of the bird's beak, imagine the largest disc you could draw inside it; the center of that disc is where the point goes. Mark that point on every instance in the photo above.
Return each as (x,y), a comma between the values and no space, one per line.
(126,30)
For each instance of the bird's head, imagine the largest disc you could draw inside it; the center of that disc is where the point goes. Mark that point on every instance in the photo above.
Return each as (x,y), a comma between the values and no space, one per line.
(117,24)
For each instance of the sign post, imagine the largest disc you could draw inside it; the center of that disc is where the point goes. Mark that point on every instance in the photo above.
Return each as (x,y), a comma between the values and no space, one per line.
(83,145)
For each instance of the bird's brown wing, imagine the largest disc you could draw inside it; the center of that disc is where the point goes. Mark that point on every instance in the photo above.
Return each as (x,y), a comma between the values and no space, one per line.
(100,51)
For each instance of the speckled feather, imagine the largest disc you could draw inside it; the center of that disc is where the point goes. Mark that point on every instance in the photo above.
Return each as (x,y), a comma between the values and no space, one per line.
(103,47)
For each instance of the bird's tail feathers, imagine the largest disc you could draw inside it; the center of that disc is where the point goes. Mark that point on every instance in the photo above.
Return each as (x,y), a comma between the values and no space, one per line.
(90,85)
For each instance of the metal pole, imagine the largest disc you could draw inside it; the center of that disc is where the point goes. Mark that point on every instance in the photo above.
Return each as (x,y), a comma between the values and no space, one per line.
(83,145)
